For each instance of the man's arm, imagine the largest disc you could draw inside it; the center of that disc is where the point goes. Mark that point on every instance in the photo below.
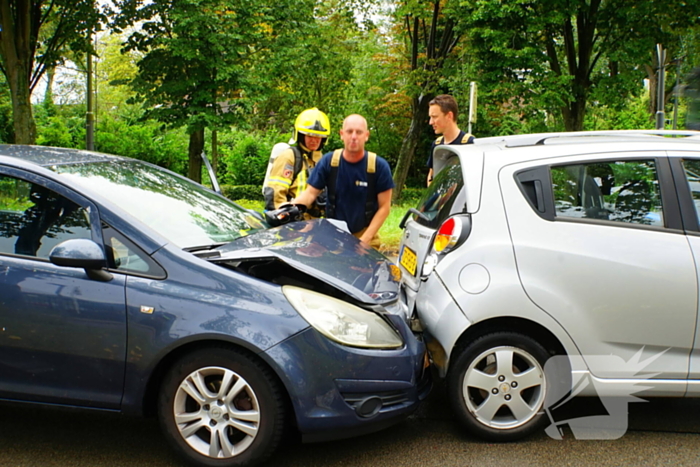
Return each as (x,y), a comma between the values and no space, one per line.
(384,201)
(429,180)
(308,196)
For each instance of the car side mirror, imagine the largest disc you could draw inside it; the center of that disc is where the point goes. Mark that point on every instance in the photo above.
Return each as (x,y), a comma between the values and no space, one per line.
(81,253)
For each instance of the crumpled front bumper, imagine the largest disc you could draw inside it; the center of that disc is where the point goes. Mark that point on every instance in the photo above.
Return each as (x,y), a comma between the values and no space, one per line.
(339,392)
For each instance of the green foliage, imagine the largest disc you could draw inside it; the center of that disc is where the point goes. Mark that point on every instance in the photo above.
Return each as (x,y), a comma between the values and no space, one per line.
(243,156)
(410,196)
(146,140)
(62,132)
(242,192)
(558,57)
(199,56)
(6,131)
(632,114)
(246,162)
(35,36)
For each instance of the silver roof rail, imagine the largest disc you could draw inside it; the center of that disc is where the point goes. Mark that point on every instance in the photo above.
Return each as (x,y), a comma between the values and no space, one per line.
(543,138)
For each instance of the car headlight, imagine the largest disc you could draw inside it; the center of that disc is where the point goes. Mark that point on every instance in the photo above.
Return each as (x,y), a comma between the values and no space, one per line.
(343,322)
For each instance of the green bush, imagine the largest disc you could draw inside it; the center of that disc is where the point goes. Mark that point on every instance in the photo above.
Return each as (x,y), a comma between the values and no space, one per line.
(410,196)
(236,192)
(144,140)
(244,156)
(633,115)
(54,132)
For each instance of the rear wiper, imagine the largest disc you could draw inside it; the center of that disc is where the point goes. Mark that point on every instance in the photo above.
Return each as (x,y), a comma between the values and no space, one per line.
(415,211)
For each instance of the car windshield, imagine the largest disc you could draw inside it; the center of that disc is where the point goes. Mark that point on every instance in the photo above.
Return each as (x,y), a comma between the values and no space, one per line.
(182,211)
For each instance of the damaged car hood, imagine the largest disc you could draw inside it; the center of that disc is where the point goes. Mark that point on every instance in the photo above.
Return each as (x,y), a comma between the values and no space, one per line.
(323,252)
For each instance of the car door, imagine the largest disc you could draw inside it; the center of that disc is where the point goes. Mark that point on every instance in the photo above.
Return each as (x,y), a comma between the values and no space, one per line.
(62,334)
(605,254)
(686,171)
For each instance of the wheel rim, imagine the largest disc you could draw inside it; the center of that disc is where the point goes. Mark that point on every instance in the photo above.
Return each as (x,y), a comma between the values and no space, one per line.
(504,387)
(216,412)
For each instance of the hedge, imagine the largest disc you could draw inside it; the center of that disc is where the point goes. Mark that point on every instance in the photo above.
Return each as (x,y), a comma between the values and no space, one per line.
(234,192)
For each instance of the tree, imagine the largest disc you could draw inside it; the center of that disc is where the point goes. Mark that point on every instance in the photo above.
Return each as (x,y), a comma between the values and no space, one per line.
(32,34)
(312,68)
(431,37)
(200,58)
(561,54)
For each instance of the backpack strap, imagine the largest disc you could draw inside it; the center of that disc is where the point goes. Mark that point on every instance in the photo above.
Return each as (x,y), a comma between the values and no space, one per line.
(332,182)
(466,137)
(439,140)
(371,190)
(298,161)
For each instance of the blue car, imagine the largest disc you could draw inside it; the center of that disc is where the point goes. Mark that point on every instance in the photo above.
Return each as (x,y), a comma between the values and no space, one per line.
(126,287)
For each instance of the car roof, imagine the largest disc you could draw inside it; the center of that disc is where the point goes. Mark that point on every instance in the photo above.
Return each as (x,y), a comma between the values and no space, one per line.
(529,147)
(47,156)
(496,152)
(578,137)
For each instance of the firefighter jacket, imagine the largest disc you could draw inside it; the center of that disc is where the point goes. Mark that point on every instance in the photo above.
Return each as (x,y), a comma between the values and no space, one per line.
(283,184)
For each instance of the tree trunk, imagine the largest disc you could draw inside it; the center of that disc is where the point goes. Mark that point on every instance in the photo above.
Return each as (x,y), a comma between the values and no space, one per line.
(410,142)
(23,119)
(17,65)
(574,114)
(195,155)
(48,94)
(215,150)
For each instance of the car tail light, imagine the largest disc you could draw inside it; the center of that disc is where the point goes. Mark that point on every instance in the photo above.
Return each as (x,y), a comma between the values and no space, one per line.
(451,233)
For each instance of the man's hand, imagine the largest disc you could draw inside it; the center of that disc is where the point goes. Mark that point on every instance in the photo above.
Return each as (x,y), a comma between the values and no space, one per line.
(362,248)
(366,239)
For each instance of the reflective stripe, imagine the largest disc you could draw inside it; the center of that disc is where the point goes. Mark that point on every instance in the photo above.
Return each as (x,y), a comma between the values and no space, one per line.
(301,178)
(279,181)
(277,184)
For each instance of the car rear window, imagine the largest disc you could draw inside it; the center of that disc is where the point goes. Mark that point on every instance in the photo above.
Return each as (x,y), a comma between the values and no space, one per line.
(440,197)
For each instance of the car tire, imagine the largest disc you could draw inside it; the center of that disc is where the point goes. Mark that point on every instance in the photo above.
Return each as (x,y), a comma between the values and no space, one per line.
(219,407)
(497,386)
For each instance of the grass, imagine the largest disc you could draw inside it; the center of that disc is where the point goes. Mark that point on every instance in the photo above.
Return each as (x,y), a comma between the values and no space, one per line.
(389,233)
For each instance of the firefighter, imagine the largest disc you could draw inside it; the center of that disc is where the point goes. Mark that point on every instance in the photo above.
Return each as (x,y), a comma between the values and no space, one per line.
(289,170)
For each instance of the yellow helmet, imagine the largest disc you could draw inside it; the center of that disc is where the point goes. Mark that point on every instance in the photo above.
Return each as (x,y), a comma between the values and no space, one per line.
(312,122)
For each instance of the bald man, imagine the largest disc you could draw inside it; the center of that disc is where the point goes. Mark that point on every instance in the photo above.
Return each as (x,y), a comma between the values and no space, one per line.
(359,183)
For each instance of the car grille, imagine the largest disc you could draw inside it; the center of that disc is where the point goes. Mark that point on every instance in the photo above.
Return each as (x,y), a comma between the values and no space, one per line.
(389,398)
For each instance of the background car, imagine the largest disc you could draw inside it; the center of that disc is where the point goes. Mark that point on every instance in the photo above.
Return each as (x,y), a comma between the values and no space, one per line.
(126,287)
(577,245)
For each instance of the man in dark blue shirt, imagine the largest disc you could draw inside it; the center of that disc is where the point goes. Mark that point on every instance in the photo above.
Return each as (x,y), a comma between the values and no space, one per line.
(360,193)
(443,113)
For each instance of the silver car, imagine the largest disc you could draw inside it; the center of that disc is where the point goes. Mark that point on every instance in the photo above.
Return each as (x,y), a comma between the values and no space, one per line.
(580,246)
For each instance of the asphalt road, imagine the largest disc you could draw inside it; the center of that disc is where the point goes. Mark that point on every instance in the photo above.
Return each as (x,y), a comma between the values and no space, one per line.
(661,432)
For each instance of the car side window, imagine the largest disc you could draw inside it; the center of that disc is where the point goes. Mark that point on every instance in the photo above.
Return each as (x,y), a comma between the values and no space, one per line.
(692,175)
(34,219)
(124,256)
(621,191)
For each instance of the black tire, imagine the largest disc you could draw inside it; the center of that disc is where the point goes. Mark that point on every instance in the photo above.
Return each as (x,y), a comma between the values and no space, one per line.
(237,423)
(499,399)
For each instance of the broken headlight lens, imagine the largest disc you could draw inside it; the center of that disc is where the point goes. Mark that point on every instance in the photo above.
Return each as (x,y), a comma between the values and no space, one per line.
(343,322)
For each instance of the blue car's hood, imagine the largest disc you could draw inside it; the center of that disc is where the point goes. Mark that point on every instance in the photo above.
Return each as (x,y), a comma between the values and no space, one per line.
(322,250)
